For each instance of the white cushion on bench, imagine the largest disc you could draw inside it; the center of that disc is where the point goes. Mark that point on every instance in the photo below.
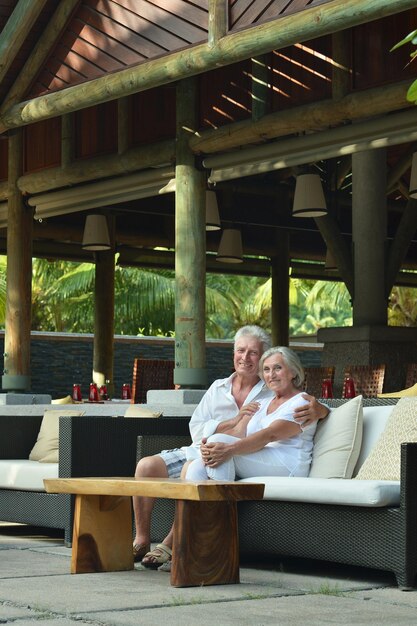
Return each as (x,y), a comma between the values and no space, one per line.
(26,475)
(330,490)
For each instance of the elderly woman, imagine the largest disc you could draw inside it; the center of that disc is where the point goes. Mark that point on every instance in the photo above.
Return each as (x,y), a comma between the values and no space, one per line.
(269,442)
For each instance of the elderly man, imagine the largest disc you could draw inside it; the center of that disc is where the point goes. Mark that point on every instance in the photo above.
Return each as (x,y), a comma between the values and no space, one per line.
(227,399)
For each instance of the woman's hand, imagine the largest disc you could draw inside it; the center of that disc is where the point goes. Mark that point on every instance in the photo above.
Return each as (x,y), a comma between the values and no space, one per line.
(248,410)
(214,454)
(237,425)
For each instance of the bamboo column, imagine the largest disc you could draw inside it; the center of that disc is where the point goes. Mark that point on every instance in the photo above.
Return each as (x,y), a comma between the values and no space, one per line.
(369,235)
(280,289)
(190,248)
(103,351)
(16,375)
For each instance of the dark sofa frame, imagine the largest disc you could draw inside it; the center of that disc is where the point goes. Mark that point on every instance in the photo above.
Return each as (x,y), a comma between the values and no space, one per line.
(383,538)
(88,446)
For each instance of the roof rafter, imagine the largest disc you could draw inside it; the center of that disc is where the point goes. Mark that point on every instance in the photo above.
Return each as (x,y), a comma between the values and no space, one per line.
(310,23)
(14,33)
(40,52)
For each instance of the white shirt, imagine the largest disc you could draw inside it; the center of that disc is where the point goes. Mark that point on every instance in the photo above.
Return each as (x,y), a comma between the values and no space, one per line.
(294,450)
(218,405)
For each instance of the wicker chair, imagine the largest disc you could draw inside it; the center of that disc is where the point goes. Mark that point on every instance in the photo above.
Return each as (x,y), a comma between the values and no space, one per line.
(411,376)
(151,374)
(368,379)
(314,377)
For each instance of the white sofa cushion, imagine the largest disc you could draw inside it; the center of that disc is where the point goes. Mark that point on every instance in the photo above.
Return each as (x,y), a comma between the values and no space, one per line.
(373,493)
(337,442)
(25,475)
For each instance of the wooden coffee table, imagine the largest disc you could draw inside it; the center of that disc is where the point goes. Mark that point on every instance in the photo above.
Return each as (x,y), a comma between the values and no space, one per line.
(206,544)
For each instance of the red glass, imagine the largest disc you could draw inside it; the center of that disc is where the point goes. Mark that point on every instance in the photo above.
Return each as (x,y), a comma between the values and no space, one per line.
(103,393)
(326,388)
(349,391)
(126,393)
(76,393)
(93,395)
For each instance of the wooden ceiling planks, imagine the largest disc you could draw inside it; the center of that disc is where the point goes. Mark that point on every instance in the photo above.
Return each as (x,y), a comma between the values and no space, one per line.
(244,13)
(107,35)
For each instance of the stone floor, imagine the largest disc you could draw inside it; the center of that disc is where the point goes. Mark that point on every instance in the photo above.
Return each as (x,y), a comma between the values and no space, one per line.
(35,585)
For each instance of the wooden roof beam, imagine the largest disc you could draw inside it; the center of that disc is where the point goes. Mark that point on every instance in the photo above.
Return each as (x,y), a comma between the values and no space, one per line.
(237,46)
(40,52)
(16,30)
(401,166)
(400,244)
(308,117)
(94,169)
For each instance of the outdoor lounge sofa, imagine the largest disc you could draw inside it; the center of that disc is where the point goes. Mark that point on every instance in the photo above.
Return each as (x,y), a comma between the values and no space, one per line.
(88,446)
(370,523)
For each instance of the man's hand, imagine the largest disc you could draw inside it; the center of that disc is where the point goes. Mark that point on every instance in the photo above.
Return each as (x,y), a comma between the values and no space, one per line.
(309,413)
(214,454)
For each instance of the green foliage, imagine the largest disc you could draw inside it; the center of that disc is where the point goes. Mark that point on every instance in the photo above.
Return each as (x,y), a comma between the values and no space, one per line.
(63,300)
(411,38)
(403,307)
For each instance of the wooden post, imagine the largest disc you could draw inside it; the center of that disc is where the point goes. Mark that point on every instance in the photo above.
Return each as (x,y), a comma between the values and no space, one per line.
(190,248)
(104,315)
(19,277)
(280,289)
(369,219)
(218,22)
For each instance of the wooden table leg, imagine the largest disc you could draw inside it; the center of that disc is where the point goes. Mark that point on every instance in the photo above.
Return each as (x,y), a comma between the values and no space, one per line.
(102,536)
(206,544)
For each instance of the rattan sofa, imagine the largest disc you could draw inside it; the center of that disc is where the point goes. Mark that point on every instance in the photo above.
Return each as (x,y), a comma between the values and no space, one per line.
(88,446)
(382,537)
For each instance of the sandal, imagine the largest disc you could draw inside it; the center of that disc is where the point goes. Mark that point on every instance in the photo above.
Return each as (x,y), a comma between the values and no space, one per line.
(139,551)
(160,554)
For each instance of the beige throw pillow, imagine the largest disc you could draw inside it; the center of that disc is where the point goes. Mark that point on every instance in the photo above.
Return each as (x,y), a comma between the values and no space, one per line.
(404,393)
(384,460)
(337,441)
(135,410)
(46,447)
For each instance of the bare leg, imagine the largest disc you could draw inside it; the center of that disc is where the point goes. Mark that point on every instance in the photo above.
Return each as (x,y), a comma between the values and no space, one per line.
(169,538)
(148,467)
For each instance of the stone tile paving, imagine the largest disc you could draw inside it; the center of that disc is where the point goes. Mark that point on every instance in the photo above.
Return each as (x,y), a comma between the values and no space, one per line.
(35,585)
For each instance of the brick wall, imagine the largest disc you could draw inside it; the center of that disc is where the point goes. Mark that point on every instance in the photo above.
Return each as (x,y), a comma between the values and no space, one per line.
(58,360)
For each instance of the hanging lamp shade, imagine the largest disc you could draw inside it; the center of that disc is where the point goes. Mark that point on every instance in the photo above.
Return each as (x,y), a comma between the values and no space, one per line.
(413,177)
(96,234)
(230,248)
(212,211)
(309,200)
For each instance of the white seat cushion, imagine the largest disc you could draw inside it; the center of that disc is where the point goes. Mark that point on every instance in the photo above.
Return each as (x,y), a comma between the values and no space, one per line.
(373,493)
(25,475)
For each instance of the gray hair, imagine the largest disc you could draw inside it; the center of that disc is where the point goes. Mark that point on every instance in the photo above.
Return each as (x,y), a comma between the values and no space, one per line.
(292,361)
(257,333)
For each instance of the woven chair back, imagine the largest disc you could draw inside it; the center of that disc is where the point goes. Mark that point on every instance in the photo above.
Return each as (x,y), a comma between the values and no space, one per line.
(368,379)
(314,377)
(150,374)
